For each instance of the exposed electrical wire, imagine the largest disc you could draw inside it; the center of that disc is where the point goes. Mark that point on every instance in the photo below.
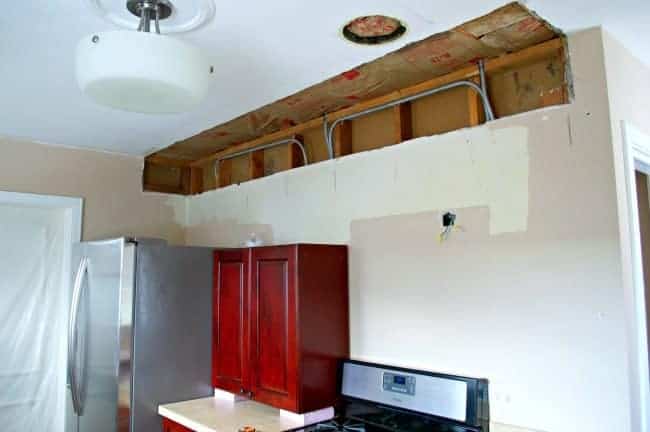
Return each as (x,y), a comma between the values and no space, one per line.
(448,225)
(444,234)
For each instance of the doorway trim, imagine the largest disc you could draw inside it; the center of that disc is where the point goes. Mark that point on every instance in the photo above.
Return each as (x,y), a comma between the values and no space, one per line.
(636,157)
(72,220)
(72,206)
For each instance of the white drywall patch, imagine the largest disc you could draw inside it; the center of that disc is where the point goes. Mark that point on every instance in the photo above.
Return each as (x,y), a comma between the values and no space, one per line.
(180,208)
(506,190)
(467,168)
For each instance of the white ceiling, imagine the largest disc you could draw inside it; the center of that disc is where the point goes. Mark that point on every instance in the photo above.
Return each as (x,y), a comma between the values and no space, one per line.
(262,51)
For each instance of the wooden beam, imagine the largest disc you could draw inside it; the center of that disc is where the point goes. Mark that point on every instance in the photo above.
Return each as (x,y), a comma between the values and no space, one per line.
(526,55)
(148,187)
(342,138)
(166,161)
(266,139)
(256,164)
(403,122)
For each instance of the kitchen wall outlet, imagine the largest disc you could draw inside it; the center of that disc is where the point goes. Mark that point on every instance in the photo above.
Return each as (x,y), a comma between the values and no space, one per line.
(448,219)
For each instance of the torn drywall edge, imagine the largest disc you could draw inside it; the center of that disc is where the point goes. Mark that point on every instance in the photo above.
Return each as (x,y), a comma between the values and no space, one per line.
(468,168)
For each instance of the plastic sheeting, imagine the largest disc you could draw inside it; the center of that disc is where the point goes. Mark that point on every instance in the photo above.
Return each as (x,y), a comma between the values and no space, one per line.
(34,313)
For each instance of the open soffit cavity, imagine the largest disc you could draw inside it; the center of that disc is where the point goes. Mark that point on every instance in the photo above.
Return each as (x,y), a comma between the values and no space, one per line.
(257,58)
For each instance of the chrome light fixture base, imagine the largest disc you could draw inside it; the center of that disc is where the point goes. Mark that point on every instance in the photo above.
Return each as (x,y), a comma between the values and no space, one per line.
(186,15)
(138,7)
(150,10)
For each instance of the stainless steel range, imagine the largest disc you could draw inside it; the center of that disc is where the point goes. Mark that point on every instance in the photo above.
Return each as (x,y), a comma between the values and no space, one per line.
(388,398)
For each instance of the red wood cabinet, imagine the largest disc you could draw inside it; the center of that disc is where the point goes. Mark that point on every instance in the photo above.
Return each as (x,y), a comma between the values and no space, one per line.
(170,426)
(273,314)
(281,324)
(230,323)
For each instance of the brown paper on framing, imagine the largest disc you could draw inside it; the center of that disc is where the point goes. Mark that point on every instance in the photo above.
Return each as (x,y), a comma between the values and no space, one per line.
(507,29)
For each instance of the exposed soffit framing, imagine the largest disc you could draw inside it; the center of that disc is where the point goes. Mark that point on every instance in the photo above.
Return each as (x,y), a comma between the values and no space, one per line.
(502,31)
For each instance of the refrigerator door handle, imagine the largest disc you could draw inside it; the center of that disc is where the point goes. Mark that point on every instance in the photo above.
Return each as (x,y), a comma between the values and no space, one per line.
(72,334)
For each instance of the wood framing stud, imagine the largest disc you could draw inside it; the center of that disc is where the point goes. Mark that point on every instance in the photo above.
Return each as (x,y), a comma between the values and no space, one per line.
(225,172)
(196,180)
(294,154)
(343,139)
(474,105)
(192,180)
(403,125)
(186,180)
(256,164)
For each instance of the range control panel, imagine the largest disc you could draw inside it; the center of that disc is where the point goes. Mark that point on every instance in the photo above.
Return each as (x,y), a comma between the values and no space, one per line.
(399,383)
(436,394)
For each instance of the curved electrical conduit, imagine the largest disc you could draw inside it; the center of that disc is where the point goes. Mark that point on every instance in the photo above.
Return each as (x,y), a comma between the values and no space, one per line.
(328,130)
(262,147)
(481,90)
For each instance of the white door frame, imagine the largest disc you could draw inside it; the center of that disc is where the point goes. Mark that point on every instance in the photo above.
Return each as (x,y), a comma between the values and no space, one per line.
(73,209)
(636,157)
(72,206)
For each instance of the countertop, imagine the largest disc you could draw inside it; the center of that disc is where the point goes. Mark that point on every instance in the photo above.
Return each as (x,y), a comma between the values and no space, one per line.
(218,415)
(212,414)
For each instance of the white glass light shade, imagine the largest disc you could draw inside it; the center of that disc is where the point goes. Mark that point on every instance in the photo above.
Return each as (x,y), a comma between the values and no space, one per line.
(141,72)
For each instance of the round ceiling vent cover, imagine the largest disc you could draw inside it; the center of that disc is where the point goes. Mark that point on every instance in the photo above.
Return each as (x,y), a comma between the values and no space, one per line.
(192,15)
(373,29)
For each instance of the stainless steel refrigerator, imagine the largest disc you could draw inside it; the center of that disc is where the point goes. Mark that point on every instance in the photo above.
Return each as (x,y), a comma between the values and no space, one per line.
(139,333)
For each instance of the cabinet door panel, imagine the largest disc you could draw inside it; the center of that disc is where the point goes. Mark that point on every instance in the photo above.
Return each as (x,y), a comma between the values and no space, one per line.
(170,426)
(272,313)
(230,320)
(273,320)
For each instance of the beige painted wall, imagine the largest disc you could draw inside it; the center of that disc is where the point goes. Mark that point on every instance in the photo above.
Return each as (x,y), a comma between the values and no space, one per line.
(529,294)
(628,88)
(108,183)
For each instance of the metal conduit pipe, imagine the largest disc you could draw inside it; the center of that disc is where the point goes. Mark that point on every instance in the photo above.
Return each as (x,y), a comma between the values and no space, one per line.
(481,90)
(483,83)
(262,147)
(330,149)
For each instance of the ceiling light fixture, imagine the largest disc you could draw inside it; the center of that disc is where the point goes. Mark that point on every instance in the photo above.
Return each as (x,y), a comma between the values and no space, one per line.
(373,29)
(141,71)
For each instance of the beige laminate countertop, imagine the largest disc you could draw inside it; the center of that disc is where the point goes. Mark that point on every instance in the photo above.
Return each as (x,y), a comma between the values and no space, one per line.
(218,415)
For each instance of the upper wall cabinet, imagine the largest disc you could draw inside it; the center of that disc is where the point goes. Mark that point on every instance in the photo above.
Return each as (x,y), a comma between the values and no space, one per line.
(281,324)
(230,319)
